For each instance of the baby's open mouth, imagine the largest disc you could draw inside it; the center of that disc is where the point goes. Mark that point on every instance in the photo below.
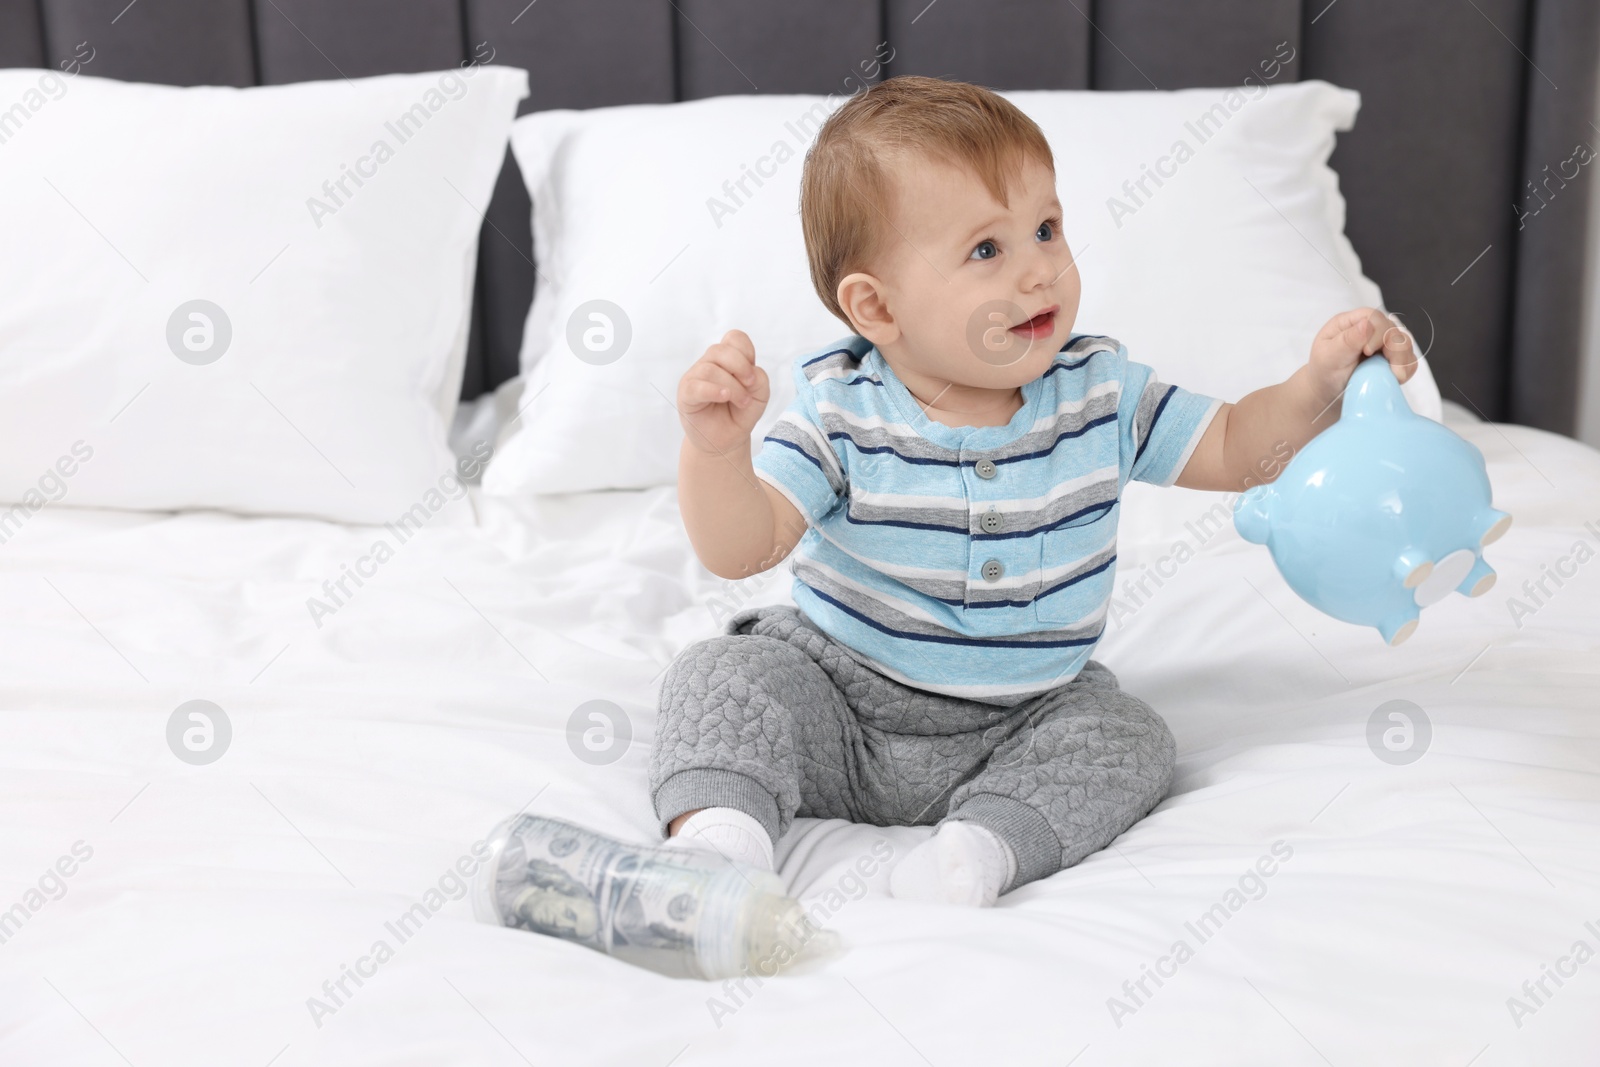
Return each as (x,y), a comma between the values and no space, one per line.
(1041,325)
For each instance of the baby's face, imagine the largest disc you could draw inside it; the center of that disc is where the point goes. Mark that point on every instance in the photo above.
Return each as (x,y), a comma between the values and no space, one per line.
(983,295)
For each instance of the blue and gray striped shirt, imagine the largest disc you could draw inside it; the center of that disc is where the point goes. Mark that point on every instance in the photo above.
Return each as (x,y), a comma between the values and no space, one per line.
(975,561)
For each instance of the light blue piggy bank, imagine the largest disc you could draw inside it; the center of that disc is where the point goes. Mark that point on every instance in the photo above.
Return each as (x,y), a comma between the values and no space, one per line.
(1380,515)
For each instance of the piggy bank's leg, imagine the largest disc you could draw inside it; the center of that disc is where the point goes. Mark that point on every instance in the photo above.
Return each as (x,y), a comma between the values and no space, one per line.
(1492,525)
(1412,567)
(1479,580)
(1399,626)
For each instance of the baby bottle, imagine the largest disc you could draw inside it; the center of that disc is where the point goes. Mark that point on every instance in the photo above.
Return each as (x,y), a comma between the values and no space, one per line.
(679,912)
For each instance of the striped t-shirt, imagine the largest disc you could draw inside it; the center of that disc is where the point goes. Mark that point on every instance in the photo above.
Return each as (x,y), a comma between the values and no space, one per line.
(974,561)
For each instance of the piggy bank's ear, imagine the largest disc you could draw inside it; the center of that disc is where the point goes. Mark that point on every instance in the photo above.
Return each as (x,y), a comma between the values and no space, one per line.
(1373,391)
(1250,514)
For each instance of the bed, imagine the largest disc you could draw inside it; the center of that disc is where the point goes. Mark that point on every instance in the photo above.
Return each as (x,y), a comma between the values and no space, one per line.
(1368,855)
(1414,903)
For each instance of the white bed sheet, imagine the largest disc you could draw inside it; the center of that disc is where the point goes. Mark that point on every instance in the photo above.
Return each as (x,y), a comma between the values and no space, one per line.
(369,753)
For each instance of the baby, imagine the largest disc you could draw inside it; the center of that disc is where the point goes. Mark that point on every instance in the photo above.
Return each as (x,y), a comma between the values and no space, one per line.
(948,480)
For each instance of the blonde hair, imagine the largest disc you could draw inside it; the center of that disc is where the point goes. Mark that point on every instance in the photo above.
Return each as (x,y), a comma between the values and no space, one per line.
(846,190)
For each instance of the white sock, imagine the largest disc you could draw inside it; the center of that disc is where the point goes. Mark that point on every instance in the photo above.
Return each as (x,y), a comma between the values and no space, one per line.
(964,863)
(730,833)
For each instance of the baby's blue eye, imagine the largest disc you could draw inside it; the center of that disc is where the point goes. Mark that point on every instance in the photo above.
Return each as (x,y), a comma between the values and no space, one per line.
(1045,231)
(985,250)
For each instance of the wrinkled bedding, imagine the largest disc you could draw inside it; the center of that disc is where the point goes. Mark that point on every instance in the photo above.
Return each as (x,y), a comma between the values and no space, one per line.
(1296,899)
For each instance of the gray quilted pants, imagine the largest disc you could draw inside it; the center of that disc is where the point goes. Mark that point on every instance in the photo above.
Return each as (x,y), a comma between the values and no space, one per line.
(777,719)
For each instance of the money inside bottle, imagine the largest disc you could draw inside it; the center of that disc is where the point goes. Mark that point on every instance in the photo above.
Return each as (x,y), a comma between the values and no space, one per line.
(679,912)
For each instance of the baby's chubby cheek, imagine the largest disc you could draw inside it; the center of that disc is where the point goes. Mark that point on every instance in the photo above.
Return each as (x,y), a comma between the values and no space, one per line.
(969,340)
(1007,342)
(932,321)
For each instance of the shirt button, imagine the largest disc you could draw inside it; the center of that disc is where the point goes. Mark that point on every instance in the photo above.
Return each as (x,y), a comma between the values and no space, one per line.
(992,522)
(992,571)
(985,469)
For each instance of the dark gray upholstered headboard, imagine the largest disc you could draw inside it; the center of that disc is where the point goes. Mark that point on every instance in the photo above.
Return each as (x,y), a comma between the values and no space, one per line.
(1467,203)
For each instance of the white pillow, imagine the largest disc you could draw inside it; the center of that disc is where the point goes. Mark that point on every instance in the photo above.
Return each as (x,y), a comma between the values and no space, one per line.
(638,206)
(685,217)
(330,230)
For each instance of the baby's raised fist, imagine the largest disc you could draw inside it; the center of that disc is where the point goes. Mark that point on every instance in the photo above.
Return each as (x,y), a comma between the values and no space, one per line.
(721,397)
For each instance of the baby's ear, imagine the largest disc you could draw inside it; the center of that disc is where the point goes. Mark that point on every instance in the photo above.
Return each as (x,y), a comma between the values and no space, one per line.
(862,297)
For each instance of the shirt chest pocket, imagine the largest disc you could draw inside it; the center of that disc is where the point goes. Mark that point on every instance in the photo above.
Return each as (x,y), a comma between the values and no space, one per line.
(1077,565)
